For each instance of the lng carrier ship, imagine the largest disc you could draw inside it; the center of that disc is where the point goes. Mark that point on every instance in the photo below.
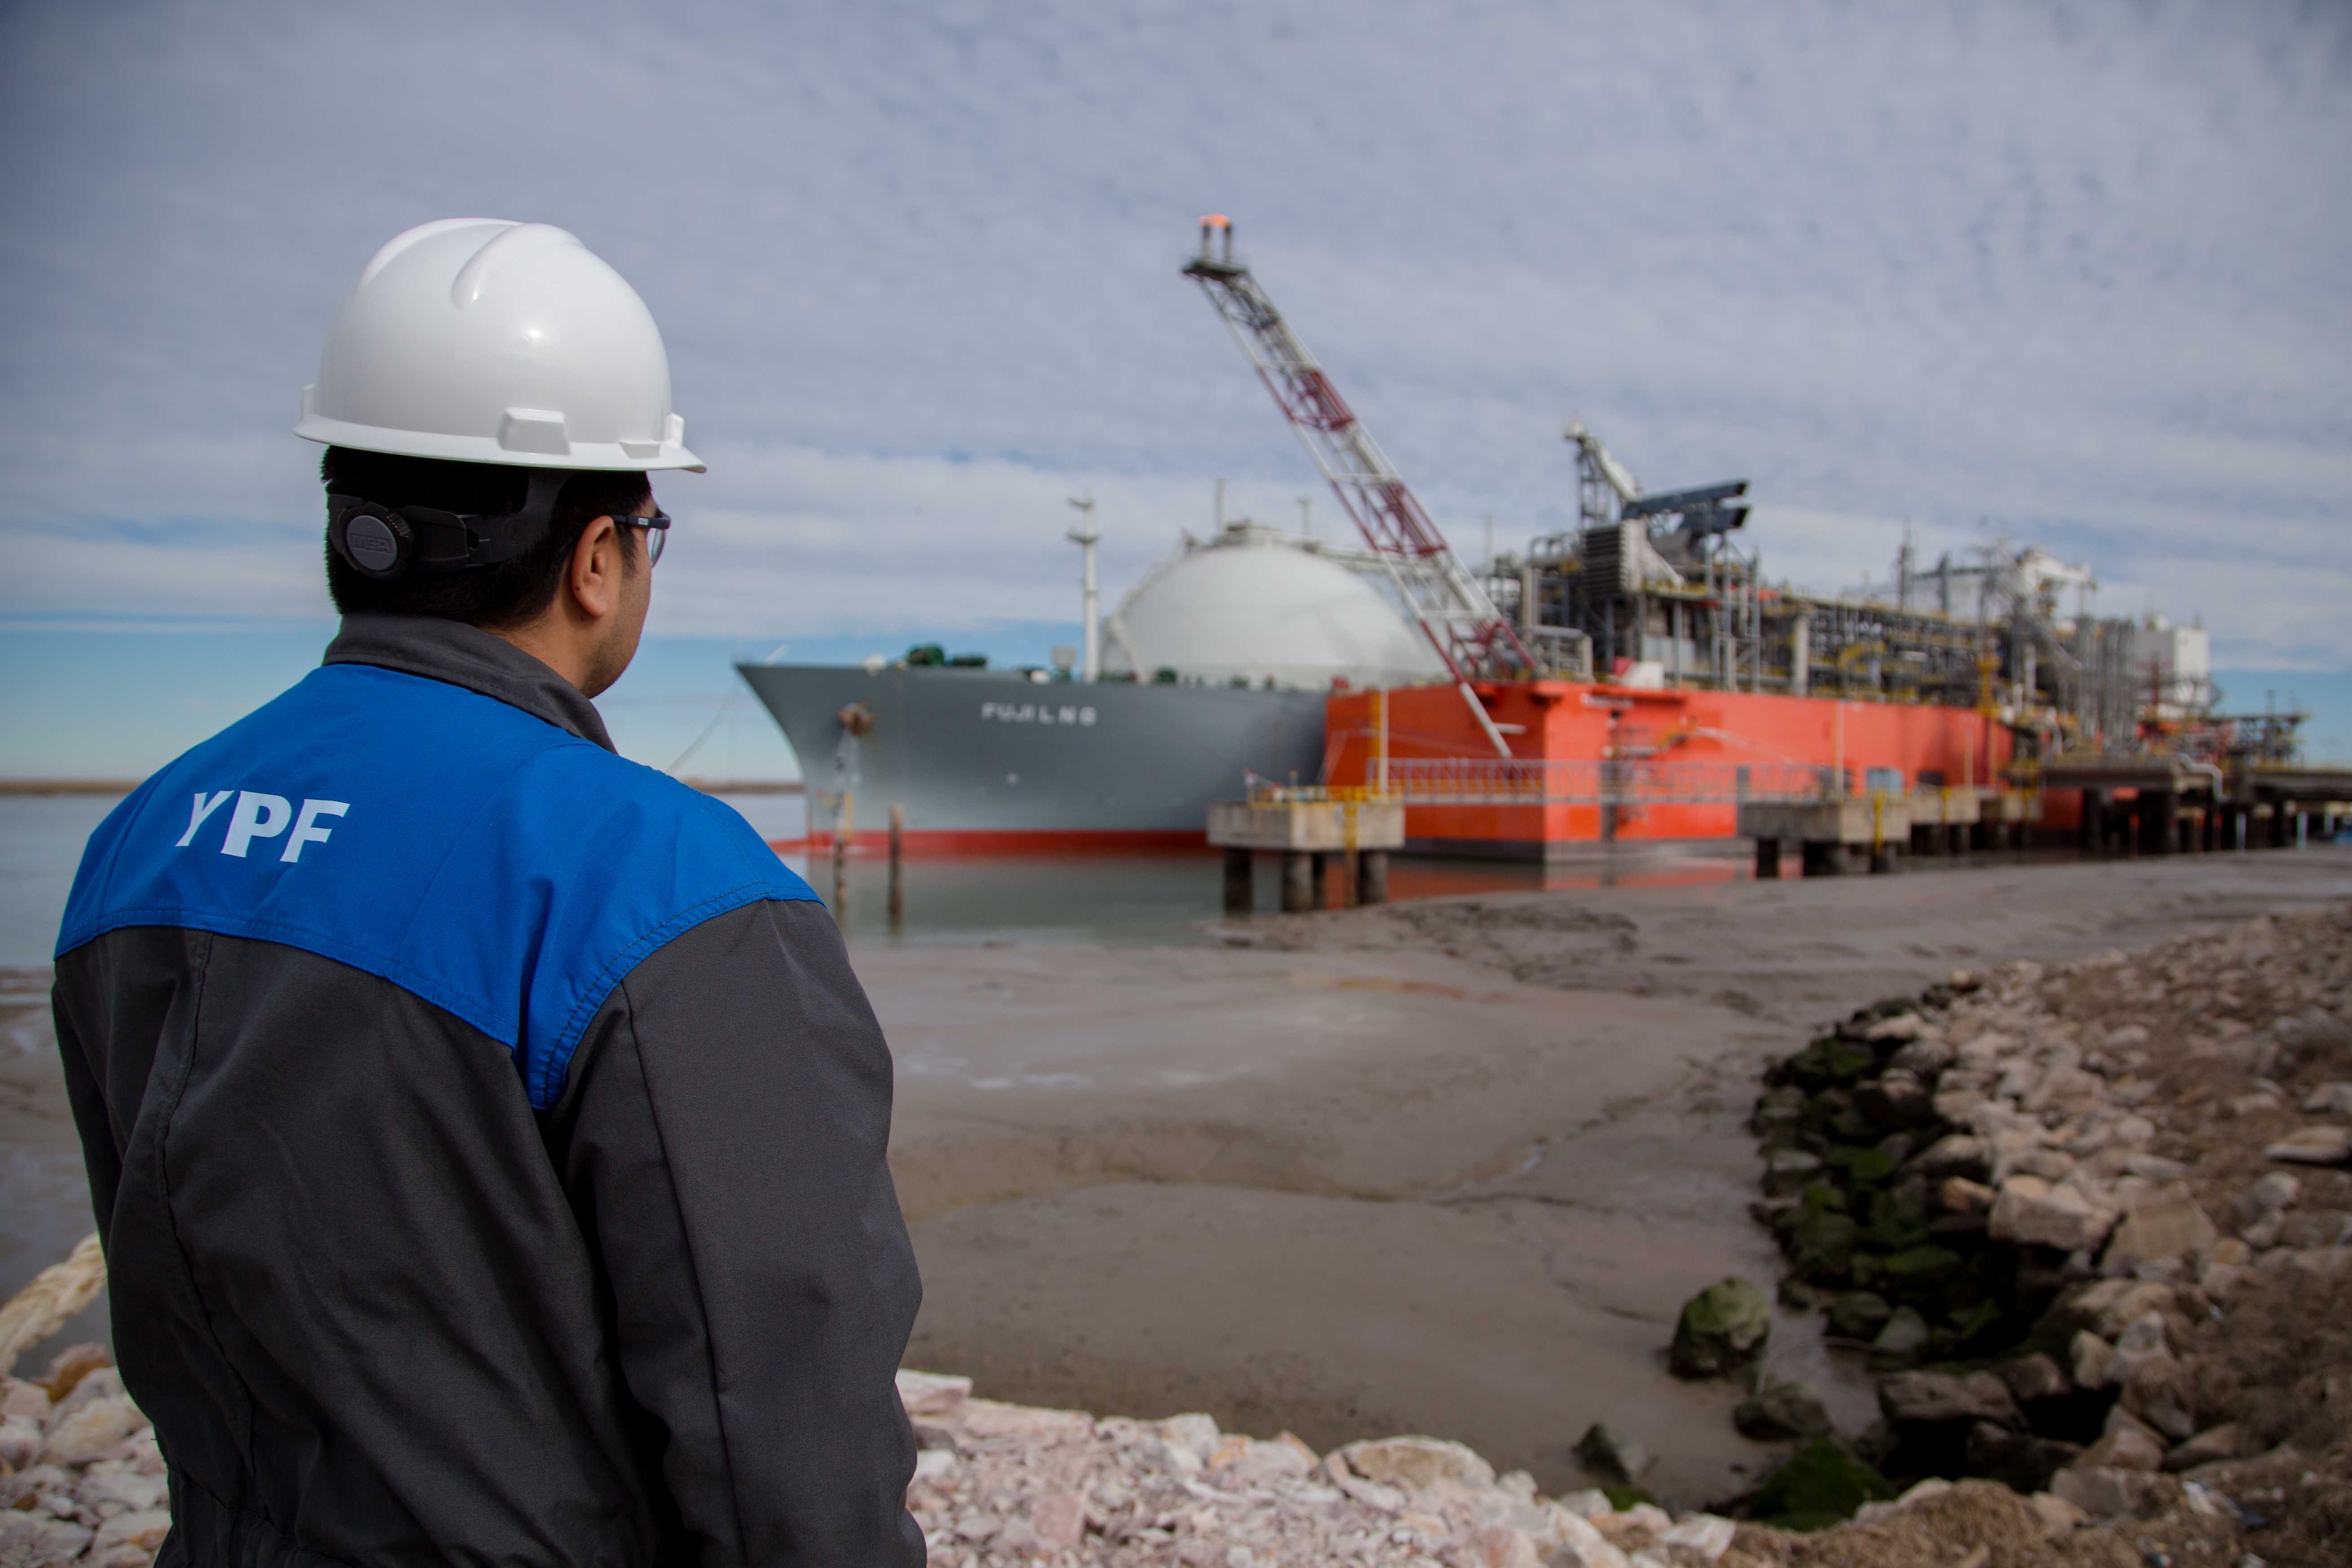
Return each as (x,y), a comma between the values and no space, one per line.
(1629,679)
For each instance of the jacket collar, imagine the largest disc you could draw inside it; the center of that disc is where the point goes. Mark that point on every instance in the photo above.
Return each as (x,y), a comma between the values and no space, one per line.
(469,657)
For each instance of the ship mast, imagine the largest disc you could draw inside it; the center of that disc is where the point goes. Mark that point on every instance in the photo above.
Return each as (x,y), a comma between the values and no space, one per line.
(1448,602)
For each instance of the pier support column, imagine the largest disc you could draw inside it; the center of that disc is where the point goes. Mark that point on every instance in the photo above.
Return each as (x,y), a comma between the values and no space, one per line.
(1240,895)
(1319,873)
(1884,856)
(1822,857)
(1956,839)
(1297,882)
(1372,877)
(2095,823)
(1768,860)
(2278,825)
(2164,823)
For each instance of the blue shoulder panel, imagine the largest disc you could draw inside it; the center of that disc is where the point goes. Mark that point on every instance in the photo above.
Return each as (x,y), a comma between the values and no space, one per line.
(500,868)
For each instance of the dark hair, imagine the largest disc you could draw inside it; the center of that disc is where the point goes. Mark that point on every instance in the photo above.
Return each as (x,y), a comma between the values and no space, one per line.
(505,594)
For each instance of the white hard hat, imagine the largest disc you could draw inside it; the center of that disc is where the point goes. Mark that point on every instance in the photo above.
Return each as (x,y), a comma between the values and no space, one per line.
(481,340)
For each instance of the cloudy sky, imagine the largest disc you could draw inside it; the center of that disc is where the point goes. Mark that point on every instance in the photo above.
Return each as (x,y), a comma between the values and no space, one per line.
(2073,274)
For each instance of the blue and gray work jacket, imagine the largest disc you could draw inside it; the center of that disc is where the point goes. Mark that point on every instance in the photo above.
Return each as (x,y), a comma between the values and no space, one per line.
(486,1138)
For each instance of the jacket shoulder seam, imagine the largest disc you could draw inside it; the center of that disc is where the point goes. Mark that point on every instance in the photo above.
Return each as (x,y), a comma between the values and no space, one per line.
(548,1078)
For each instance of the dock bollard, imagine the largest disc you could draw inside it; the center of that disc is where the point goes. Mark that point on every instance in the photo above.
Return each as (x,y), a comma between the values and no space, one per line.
(897,857)
(1240,896)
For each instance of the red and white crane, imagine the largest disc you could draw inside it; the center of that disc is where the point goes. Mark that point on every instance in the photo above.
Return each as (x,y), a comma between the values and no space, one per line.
(1450,603)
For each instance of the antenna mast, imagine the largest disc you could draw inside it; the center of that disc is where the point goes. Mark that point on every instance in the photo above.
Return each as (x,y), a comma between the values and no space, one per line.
(1450,602)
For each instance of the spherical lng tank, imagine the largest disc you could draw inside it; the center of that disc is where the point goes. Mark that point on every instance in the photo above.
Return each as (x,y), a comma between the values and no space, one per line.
(1254,605)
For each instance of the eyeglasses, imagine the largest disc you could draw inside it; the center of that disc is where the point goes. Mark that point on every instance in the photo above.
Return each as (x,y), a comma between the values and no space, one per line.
(659,525)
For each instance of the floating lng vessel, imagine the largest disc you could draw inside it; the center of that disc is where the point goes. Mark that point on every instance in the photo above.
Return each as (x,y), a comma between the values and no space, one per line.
(1635,678)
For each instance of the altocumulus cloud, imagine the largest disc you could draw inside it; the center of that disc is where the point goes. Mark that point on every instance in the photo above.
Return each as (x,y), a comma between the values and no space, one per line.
(2071,273)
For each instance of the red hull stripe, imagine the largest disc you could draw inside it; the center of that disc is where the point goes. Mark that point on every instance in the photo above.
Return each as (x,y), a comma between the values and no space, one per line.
(987,841)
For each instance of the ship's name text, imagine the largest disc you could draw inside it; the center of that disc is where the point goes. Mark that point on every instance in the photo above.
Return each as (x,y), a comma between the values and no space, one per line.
(1036,713)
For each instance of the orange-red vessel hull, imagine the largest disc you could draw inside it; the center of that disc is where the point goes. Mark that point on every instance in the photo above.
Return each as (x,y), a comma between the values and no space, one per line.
(1580,721)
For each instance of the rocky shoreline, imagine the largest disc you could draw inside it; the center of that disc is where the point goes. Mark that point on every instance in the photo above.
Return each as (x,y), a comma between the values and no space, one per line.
(2090,1224)
(81,1477)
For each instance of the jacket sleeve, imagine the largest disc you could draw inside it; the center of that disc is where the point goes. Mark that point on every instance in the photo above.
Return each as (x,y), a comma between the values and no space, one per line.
(722,1139)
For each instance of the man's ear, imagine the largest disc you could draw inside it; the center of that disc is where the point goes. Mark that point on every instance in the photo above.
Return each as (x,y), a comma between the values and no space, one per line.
(593,578)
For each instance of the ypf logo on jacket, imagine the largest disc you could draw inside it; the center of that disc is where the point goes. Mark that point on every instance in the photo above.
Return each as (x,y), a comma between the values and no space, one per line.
(497,866)
(262,816)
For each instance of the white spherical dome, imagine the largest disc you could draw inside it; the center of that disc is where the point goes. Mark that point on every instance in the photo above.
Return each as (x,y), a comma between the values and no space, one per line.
(1254,609)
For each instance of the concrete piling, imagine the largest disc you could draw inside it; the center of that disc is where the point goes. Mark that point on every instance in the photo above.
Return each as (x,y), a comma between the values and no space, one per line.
(1297,882)
(1240,894)
(1372,877)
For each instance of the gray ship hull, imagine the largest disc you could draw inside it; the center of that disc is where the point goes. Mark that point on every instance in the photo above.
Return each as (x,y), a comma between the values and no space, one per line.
(986,757)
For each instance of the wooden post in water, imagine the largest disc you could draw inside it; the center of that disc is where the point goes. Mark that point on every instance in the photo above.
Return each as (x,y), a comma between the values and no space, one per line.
(897,855)
(844,829)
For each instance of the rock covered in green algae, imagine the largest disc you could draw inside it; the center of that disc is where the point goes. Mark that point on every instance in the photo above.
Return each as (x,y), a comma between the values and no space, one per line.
(1821,1484)
(1859,1315)
(1722,1328)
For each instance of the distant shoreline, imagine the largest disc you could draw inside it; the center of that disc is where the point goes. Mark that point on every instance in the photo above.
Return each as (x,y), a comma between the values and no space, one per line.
(67,786)
(124,786)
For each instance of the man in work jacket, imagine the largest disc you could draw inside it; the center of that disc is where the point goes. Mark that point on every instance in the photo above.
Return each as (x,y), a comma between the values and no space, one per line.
(486,1132)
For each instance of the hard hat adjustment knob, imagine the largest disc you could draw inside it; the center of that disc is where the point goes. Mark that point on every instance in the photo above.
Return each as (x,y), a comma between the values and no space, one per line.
(375,539)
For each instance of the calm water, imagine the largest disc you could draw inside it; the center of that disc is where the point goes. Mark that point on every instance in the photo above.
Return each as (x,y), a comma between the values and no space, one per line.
(1071,898)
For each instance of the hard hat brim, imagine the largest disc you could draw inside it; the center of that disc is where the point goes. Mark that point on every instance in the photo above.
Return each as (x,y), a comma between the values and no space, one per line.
(615,457)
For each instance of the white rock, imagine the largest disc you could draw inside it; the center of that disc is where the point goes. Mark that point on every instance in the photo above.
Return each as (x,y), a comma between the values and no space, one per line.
(931,1393)
(1197,1432)
(112,1485)
(21,1400)
(1417,1462)
(32,1540)
(2030,1210)
(933,1463)
(91,1430)
(130,1540)
(105,1383)
(20,1444)
(1707,1535)
(1583,1546)
(1495,1546)
(2329,1097)
(2314,1146)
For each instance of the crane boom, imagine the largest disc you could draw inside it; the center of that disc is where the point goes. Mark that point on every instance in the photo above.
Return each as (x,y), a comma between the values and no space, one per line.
(1451,606)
